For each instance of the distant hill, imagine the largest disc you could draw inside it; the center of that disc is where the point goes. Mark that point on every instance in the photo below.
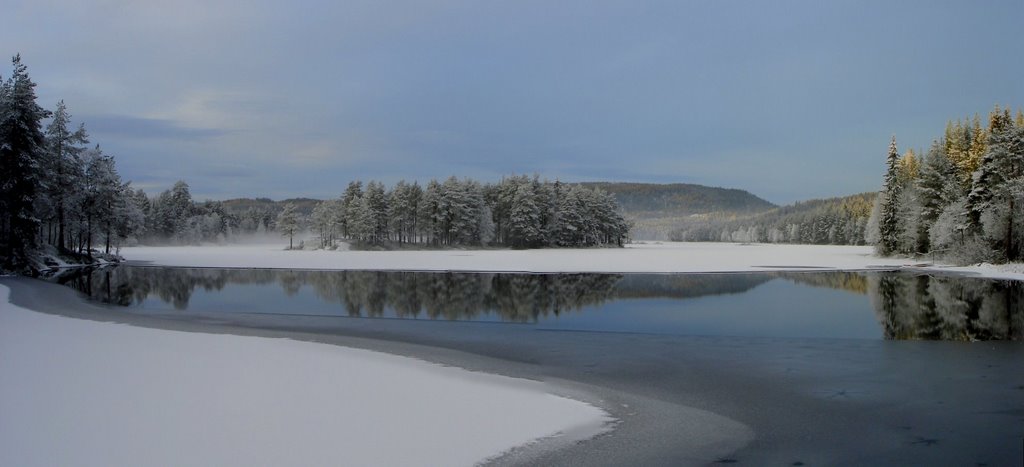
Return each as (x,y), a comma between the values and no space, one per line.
(237,206)
(657,210)
(680,199)
(839,220)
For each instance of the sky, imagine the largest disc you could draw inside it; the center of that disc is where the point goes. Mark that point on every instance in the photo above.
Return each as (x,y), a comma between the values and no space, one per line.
(790,100)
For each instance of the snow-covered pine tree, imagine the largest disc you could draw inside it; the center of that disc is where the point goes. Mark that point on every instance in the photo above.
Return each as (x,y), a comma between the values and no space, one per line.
(288,223)
(353,193)
(524,218)
(377,200)
(997,166)
(430,213)
(102,193)
(397,206)
(996,201)
(321,220)
(889,221)
(937,187)
(22,146)
(64,167)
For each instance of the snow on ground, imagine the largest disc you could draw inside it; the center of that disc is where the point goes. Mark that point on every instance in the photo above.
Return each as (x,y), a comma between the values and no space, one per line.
(76,392)
(654,257)
(1010,271)
(641,257)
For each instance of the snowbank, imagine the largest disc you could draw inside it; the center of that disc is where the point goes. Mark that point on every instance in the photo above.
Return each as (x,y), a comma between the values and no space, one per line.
(1010,271)
(647,257)
(76,392)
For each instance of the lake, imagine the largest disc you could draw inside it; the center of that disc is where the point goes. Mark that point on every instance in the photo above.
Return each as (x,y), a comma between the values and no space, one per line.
(854,305)
(825,368)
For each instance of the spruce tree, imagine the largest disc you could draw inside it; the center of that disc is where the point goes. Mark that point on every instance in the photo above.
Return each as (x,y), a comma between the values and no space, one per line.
(889,224)
(937,187)
(22,147)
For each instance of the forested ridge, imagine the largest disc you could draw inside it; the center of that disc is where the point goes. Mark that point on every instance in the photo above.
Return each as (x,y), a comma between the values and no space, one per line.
(963,199)
(835,221)
(680,199)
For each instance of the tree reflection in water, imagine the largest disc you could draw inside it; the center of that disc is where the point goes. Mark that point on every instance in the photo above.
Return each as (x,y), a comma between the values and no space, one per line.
(513,297)
(907,306)
(926,307)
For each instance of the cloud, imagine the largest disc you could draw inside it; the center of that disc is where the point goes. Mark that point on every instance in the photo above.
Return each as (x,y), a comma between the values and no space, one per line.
(126,126)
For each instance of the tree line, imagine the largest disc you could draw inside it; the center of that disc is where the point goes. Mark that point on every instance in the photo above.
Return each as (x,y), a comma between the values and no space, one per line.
(963,199)
(518,211)
(832,221)
(55,189)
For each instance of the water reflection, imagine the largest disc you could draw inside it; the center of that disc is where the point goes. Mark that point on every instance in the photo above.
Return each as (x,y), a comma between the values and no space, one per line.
(947,308)
(906,306)
(513,297)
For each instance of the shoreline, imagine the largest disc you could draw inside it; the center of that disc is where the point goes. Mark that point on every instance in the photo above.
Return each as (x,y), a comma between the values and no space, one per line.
(635,417)
(641,258)
(767,400)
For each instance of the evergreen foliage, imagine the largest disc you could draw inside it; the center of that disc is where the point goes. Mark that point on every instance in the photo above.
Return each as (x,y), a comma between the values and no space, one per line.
(55,192)
(889,224)
(288,223)
(22,151)
(965,201)
(833,221)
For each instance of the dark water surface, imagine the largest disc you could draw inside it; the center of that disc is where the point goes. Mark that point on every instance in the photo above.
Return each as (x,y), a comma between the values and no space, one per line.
(857,305)
(825,368)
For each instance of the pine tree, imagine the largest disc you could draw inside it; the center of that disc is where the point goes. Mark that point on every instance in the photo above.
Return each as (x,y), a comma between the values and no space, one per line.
(997,166)
(22,147)
(524,219)
(64,166)
(101,194)
(288,223)
(352,194)
(377,201)
(998,192)
(937,187)
(889,222)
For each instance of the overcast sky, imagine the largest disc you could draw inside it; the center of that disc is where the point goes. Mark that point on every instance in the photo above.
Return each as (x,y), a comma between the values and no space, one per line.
(789,100)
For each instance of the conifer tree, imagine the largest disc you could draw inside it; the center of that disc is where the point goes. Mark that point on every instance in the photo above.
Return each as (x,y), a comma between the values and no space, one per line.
(64,166)
(288,223)
(937,187)
(889,223)
(22,147)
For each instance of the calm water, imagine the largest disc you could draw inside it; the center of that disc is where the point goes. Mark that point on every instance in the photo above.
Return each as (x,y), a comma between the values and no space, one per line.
(820,304)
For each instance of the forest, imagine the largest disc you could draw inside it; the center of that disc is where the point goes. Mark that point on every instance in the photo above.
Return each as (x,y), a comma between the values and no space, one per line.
(963,200)
(56,190)
(517,212)
(61,196)
(832,221)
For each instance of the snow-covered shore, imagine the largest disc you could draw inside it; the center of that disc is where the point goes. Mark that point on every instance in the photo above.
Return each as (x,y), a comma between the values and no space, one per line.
(654,257)
(659,257)
(78,392)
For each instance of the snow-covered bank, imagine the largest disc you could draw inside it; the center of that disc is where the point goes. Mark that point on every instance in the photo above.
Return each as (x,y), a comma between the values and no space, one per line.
(658,257)
(1010,271)
(76,392)
(652,257)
